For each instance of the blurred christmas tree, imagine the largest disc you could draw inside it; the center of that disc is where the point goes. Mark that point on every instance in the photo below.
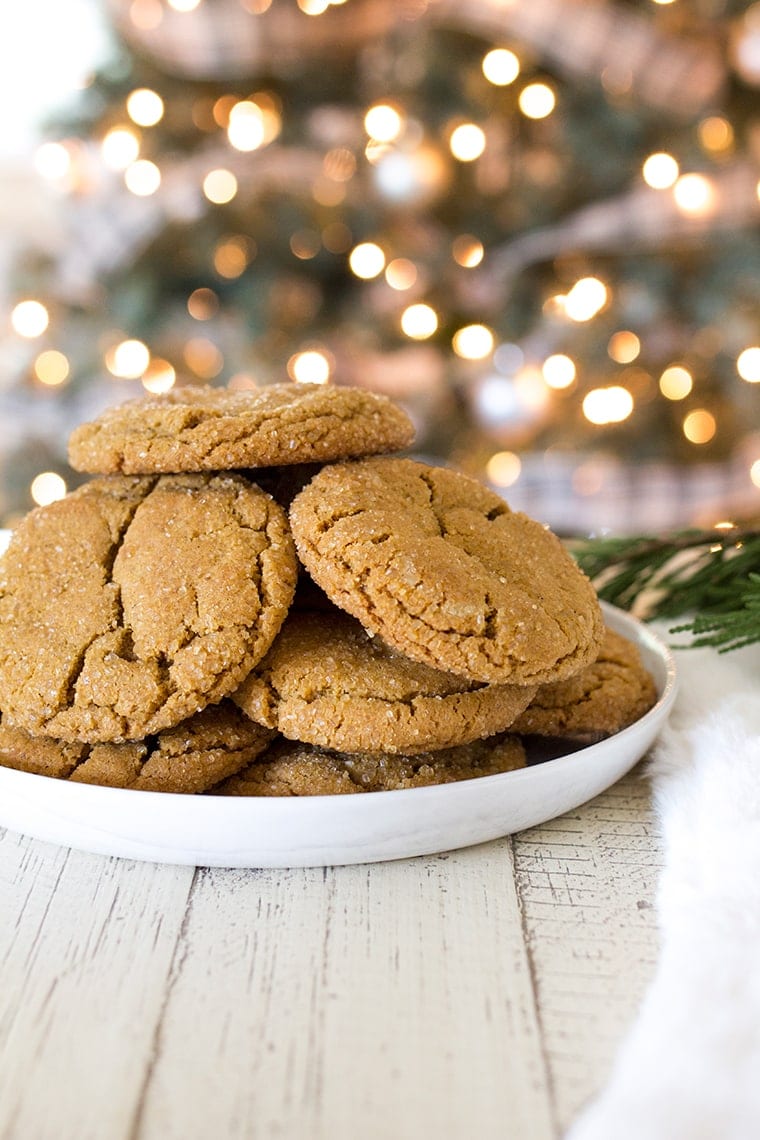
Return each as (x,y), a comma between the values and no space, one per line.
(534,222)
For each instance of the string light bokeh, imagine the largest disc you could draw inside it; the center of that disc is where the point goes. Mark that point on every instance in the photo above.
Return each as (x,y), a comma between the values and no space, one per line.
(550,259)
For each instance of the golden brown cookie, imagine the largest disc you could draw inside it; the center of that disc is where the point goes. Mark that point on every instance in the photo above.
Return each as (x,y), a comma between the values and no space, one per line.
(216,429)
(441,568)
(290,768)
(326,681)
(131,604)
(191,757)
(612,692)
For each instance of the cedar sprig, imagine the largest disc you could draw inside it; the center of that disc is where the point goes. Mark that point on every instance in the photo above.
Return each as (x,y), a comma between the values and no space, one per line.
(712,575)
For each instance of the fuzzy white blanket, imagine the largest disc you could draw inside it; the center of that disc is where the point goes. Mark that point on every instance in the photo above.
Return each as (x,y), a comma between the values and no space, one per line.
(689,1068)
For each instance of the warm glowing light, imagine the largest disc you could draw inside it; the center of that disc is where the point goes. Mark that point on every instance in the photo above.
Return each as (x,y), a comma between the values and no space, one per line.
(699,426)
(537,100)
(339,164)
(47,487)
(401,273)
(467,142)
(146,14)
(467,251)
(145,107)
(272,121)
(660,171)
(419,321)
(51,368)
(142,177)
(220,186)
(504,468)
(367,260)
(159,376)
(203,357)
(716,134)
(337,237)
(246,129)
(623,347)
(383,123)
(327,192)
(232,255)
(305,244)
(676,382)
(119,148)
(473,342)
(128,360)
(754,472)
(313,7)
(221,109)
(531,389)
(609,405)
(375,151)
(203,304)
(52,160)
(242,382)
(748,365)
(312,367)
(694,194)
(183,5)
(586,298)
(501,67)
(30,319)
(558,371)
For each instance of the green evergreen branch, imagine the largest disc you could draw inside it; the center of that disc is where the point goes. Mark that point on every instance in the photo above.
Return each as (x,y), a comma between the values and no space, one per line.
(713,575)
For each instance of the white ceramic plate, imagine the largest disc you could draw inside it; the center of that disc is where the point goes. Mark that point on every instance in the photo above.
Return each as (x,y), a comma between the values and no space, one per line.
(219,831)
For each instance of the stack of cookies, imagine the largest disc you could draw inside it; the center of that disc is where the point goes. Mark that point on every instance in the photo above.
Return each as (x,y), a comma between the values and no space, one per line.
(253,597)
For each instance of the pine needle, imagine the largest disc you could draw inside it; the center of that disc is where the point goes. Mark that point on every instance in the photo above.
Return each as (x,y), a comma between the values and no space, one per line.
(711,575)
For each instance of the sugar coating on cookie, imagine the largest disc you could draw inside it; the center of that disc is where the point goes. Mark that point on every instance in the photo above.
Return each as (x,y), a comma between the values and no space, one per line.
(189,758)
(291,768)
(605,697)
(215,429)
(326,681)
(131,604)
(442,569)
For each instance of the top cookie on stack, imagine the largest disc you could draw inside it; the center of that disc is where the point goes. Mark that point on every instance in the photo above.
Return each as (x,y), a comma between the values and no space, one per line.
(215,429)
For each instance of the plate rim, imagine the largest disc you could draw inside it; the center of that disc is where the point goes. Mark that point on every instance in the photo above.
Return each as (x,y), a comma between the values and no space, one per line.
(644,635)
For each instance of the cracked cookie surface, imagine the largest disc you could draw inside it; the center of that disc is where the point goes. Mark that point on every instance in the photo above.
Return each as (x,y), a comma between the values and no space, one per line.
(605,697)
(326,681)
(290,768)
(443,570)
(191,757)
(215,429)
(131,604)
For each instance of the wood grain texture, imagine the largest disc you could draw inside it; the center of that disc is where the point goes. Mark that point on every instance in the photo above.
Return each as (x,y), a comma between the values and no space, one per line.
(383,1001)
(481,993)
(587,883)
(86,945)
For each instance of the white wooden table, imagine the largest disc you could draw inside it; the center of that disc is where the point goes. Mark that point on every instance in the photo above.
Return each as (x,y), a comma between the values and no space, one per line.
(477,994)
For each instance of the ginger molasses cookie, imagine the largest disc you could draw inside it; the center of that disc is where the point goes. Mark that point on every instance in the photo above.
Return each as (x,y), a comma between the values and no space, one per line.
(215,429)
(289,768)
(440,567)
(132,603)
(326,681)
(612,692)
(191,757)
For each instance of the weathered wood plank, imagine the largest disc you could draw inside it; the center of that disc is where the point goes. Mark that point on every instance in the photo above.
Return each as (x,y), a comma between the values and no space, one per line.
(86,946)
(380,1001)
(587,884)
(401,999)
